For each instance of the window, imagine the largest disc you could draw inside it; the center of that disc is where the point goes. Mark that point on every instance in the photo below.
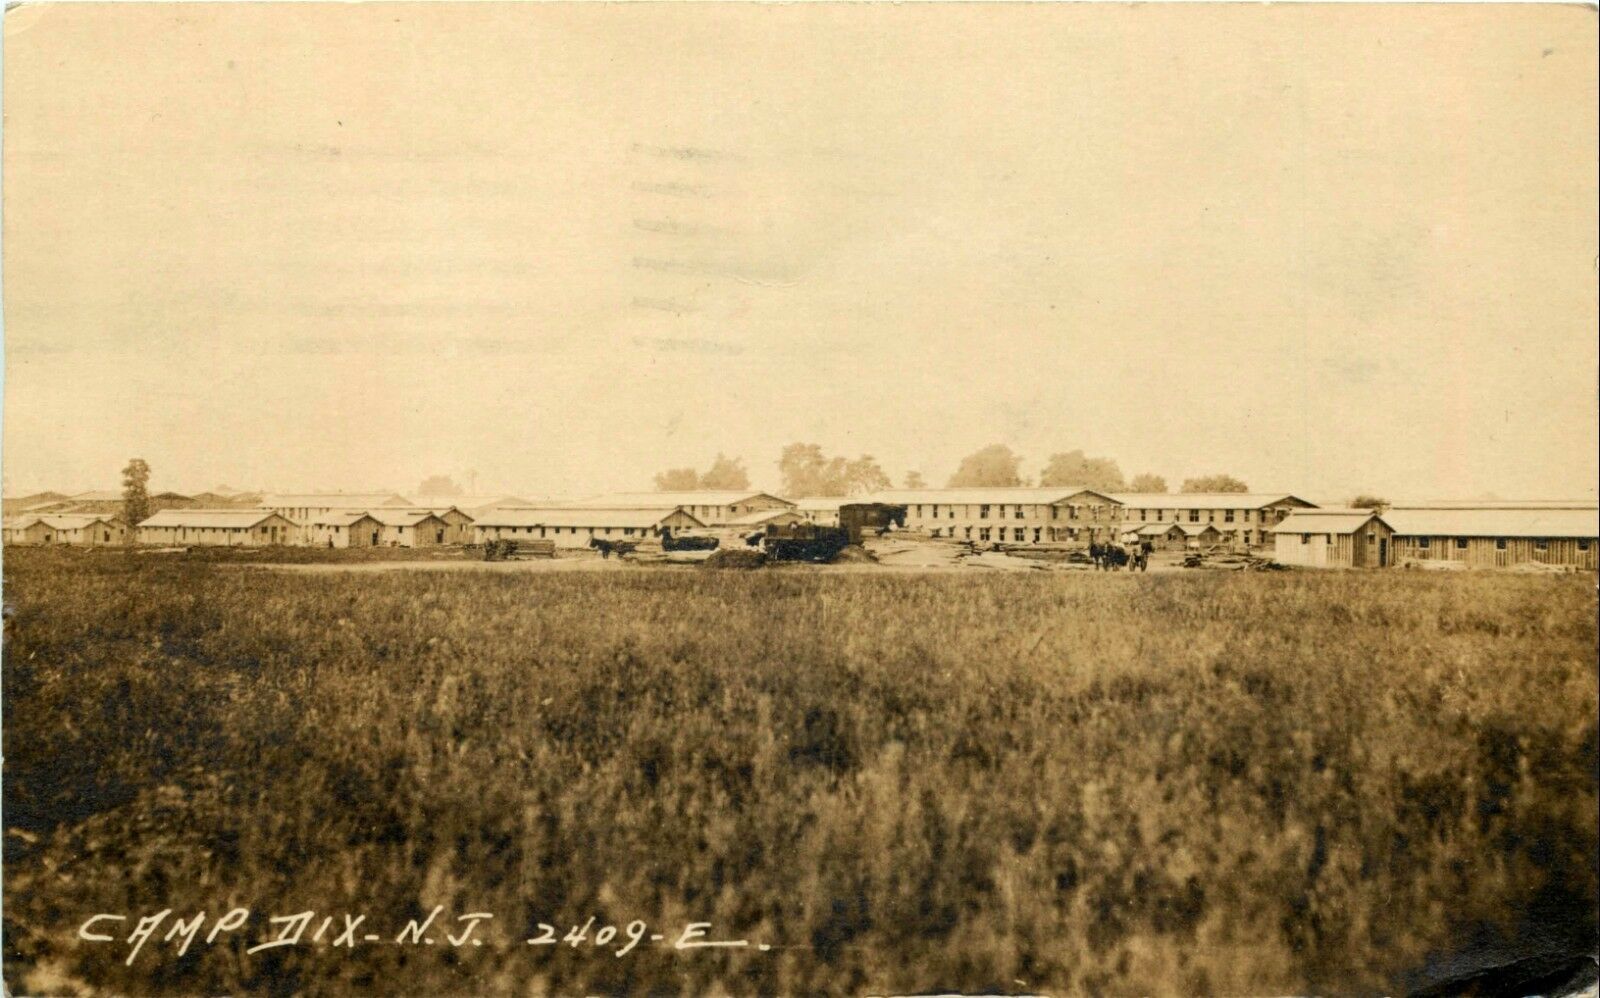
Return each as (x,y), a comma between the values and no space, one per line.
(1227,516)
(1072,512)
(1161,516)
(1002,513)
(1194,516)
(1422,542)
(1019,512)
(1372,537)
(950,514)
(1583,545)
(983,514)
(1499,543)
(918,508)
(1461,543)
(1019,534)
(983,533)
(1305,538)
(1542,544)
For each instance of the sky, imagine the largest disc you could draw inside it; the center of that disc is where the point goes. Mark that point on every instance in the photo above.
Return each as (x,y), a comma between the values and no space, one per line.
(553,248)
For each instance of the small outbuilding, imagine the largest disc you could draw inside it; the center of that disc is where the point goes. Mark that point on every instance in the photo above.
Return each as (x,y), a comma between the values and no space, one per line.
(1333,538)
(457,523)
(1161,536)
(409,528)
(342,530)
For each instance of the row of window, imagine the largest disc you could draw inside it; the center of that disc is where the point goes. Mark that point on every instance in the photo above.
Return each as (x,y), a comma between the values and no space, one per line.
(556,531)
(1000,511)
(1006,510)
(1539,544)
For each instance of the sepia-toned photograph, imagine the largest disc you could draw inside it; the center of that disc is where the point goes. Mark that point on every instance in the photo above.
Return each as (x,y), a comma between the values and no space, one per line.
(800,499)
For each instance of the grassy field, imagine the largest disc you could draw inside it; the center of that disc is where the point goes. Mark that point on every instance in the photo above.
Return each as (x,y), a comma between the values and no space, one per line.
(1230,783)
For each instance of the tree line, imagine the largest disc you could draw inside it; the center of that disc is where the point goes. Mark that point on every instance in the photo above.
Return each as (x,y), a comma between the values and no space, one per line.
(805,470)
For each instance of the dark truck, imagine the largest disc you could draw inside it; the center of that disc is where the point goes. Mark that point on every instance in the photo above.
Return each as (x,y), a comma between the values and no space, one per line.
(814,542)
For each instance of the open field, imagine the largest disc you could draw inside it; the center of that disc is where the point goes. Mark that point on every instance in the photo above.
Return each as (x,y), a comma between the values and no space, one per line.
(1067,782)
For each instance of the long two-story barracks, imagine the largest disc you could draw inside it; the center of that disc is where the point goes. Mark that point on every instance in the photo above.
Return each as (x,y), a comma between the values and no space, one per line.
(1242,519)
(1059,514)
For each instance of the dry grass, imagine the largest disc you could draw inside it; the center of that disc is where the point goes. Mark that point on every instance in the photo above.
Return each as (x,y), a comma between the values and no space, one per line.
(1243,783)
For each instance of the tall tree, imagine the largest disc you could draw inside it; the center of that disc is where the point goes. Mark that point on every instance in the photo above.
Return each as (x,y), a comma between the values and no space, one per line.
(863,476)
(438,485)
(994,466)
(1073,468)
(803,470)
(136,492)
(725,473)
(677,480)
(806,471)
(1147,483)
(1214,483)
(914,480)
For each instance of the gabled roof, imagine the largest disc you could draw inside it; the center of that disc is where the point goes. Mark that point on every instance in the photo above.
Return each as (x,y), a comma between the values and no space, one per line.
(661,500)
(226,519)
(442,511)
(38,500)
(333,500)
(401,517)
(762,516)
(1495,522)
(1327,521)
(1022,496)
(337,518)
(1204,500)
(1497,504)
(466,503)
(567,516)
(77,521)
(1158,529)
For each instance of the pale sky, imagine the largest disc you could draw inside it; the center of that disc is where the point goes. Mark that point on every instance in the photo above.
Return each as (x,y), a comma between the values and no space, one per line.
(1324,249)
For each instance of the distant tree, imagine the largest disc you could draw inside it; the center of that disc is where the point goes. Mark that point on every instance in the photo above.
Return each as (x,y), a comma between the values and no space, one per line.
(438,485)
(1073,468)
(995,466)
(678,480)
(1148,483)
(136,492)
(914,480)
(725,473)
(863,476)
(806,472)
(1369,502)
(1214,483)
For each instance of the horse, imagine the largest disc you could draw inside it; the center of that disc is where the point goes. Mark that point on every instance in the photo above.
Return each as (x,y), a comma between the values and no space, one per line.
(608,548)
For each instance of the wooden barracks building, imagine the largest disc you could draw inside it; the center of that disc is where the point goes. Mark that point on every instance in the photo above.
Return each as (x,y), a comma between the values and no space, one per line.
(1055,514)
